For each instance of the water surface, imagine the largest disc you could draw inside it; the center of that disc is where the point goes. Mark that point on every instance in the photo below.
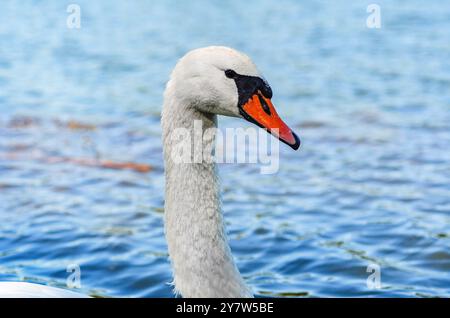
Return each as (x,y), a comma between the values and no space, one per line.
(371,184)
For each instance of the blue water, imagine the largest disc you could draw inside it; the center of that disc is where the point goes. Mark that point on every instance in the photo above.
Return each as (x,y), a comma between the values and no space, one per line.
(371,184)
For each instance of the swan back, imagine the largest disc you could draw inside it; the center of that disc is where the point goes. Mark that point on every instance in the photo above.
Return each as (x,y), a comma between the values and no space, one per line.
(28,290)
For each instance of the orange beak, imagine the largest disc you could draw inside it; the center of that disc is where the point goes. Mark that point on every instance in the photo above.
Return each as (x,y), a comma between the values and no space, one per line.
(260,111)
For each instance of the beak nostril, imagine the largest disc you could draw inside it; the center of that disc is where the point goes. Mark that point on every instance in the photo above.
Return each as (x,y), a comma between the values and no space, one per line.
(264,105)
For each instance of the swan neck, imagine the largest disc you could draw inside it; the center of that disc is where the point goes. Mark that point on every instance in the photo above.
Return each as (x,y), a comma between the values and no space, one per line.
(198,247)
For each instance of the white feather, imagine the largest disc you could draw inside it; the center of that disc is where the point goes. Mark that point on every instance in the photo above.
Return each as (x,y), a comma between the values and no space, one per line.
(28,290)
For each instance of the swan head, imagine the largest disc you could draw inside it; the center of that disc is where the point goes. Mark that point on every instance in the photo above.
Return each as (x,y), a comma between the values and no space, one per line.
(223,81)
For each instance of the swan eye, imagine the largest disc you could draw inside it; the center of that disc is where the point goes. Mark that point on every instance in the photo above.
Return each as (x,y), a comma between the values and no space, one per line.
(230,74)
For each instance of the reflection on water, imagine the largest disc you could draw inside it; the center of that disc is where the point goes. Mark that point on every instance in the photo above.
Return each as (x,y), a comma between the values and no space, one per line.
(370,185)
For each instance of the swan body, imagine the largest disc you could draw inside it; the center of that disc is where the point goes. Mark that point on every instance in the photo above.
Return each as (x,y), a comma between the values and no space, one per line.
(28,290)
(205,83)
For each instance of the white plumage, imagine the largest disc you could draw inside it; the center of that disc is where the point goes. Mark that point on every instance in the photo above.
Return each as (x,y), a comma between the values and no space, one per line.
(28,290)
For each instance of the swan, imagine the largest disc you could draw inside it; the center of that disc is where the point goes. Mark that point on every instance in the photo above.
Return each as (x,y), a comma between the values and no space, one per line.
(206,82)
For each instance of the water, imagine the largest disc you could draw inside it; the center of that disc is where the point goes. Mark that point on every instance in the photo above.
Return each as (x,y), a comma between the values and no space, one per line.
(371,184)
